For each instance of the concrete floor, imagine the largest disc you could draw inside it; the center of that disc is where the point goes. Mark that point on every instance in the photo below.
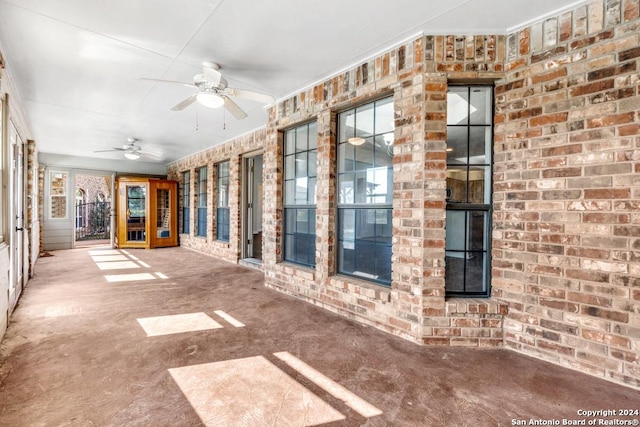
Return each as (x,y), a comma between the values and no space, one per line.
(169,337)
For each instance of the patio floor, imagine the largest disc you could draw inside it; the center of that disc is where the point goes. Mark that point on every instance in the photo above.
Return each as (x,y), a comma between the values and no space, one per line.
(171,337)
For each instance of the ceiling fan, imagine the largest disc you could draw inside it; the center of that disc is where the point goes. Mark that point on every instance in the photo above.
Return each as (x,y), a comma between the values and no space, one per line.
(214,92)
(131,150)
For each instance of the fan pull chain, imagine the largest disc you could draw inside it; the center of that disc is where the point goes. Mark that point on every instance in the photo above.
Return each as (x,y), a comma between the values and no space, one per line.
(197,128)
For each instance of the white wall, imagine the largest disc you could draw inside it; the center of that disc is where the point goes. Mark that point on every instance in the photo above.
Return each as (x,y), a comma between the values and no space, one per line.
(4,288)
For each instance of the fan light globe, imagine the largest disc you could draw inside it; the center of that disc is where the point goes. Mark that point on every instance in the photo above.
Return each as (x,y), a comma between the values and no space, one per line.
(356,141)
(210,100)
(132,156)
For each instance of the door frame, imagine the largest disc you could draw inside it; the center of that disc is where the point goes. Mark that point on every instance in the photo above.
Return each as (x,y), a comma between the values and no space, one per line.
(246,214)
(19,237)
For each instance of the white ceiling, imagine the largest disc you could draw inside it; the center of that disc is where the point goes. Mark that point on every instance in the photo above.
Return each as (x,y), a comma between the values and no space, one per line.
(77,64)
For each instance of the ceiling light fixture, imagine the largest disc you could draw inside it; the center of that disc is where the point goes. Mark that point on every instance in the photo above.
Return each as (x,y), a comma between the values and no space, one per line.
(131,155)
(210,100)
(356,141)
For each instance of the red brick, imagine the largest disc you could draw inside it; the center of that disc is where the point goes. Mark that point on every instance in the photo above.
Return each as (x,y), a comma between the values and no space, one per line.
(611,120)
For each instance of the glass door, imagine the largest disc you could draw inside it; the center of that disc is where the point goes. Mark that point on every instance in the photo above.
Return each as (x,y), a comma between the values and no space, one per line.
(136,203)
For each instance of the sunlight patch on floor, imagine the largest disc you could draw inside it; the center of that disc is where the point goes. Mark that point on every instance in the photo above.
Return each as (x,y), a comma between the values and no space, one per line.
(229,319)
(107,258)
(112,278)
(177,323)
(105,252)
(250,392)
(350,399)
(161,275)
(62,310)
(116,265)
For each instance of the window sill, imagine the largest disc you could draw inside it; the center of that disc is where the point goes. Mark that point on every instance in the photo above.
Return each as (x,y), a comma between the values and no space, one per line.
(458,306)
(297,270)
(363,288)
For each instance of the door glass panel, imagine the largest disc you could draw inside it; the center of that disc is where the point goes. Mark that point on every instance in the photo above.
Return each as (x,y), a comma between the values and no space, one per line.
(136,213)
(164,213)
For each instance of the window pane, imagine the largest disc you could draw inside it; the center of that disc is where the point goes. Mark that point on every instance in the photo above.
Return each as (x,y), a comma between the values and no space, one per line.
(290,141)
(364,155)
(481,110)
(454,275)
(476,273)
(384,116)
(312,163)
(313,135)
(479,144)
(456,231)
(301,138)
(346,190)
(301,165)
(346,157)
(361,187)
(302,221)
(346,125)
(311,196)
(457,145)
(457,105)
(479,192)
(290,192)
(290,221)
(289,167)
(299,239)
(364,121)
(477,226)
(301,190)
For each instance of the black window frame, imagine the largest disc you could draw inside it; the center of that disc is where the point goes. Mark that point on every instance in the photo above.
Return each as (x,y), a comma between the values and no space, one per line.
(222,207)
(201,223)
(466,258)
(373,251)
(299,235)
(186,202)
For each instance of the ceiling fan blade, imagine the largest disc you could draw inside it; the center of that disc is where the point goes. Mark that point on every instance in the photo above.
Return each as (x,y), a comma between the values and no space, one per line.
(185,103)
(168,81)
(254,96)
(113,149)
(211,74)
(234,109)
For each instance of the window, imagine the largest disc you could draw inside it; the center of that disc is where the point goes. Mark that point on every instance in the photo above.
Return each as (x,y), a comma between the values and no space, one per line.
(300,159)
(202,202)
(186,201)
(469,148)
(365,191)
(58,194)
(222,212)
(80,208)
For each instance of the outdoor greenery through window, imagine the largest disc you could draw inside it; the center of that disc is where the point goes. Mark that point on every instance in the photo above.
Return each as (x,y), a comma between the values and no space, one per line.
(365,190)
(202,202)
(222,211)
(469,150)
(186,201)
(300,157)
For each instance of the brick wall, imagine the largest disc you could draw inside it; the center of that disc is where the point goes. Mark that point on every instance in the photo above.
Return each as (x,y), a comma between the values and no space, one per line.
(93,185)
(566,235)
(566,227)
(231,151)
